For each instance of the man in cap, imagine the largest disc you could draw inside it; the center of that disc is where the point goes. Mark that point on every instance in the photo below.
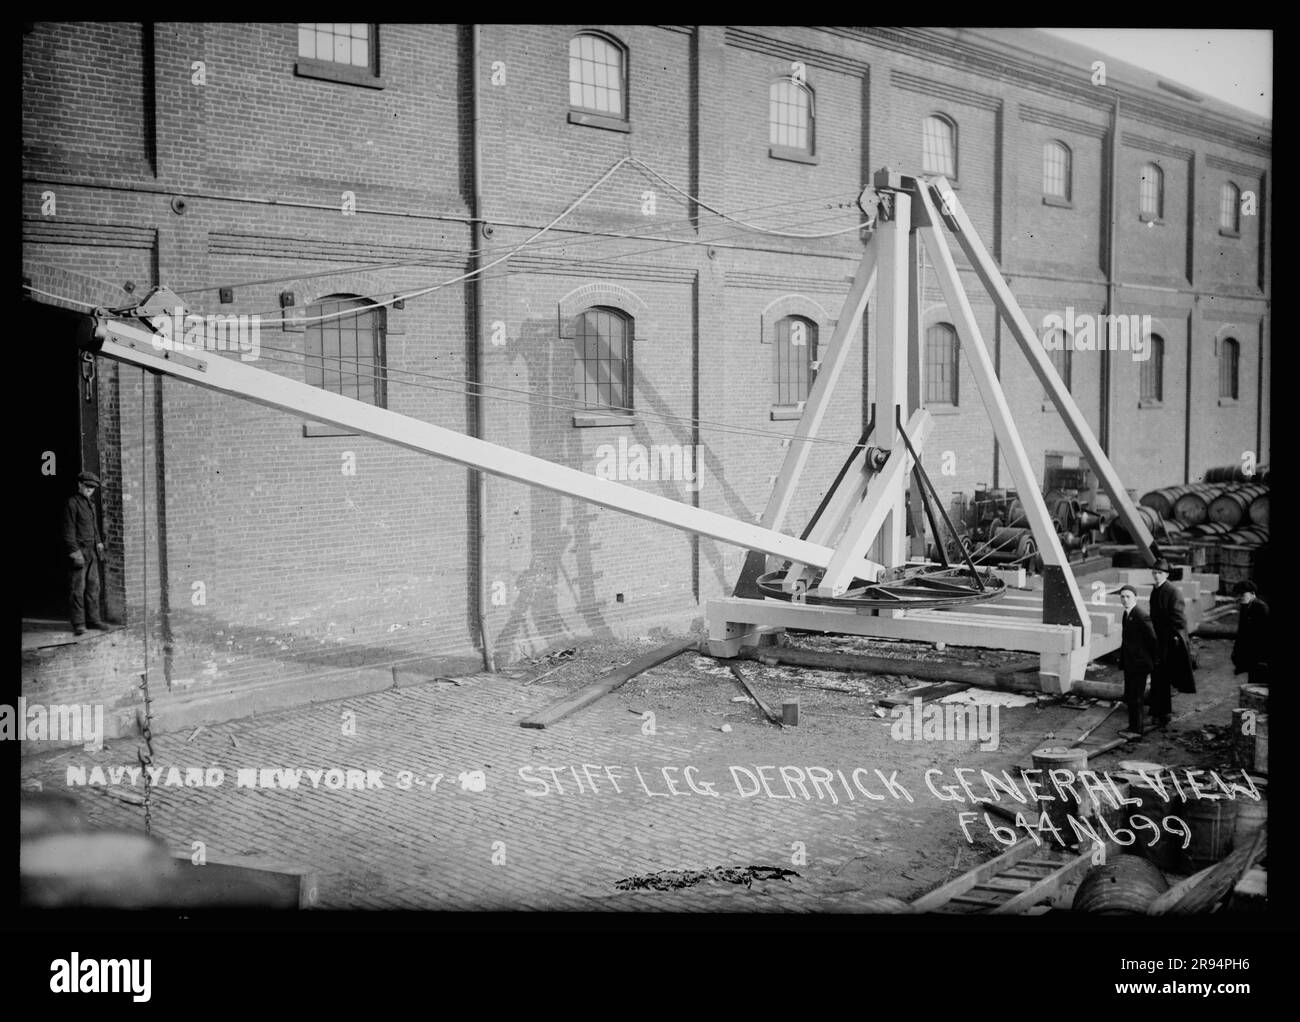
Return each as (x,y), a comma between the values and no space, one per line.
(1173,669)
(85,549)
(1250,653)
(1138,651)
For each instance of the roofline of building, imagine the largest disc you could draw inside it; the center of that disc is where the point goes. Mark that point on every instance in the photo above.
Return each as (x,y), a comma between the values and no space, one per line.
(984,52)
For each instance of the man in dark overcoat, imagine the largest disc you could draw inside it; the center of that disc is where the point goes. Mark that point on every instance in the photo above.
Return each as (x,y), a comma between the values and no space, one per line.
(84,547)
(1250,653)
(1173,669)
(1137,652)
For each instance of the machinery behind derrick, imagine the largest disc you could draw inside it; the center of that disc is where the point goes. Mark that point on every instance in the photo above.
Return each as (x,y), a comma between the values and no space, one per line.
(994,530)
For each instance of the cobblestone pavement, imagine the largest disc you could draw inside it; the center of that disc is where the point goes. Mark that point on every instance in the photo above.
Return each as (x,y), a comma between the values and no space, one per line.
(420,835)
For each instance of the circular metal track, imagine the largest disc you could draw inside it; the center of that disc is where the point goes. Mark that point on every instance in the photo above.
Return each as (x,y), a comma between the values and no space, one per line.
(924,588)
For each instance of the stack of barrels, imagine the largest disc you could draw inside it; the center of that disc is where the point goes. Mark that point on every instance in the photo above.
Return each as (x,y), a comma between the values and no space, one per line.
(1223,521)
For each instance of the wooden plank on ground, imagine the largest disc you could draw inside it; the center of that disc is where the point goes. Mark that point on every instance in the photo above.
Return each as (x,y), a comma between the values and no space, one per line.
(1050,887)
(247,882)
(749,691)
(921,669)
(955,888)
(548,715)
(925,693)
(1202,891)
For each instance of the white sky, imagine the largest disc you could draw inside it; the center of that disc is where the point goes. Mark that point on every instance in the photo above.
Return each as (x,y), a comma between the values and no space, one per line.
(1232,65)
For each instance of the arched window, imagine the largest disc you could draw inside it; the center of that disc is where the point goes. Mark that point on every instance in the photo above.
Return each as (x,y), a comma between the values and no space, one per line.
(1056,170)
(1153,370)
(790,115)
(1060,352)
(796,350)
(345,354)
(941,364)
(1229,364)
(1230,208)
(939,146)
(598,75)
(1152,192)
(602,362)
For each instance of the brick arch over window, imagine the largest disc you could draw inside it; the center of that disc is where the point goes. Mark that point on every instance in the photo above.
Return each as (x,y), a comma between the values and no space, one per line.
(373,287)
(615,296)
(794,305)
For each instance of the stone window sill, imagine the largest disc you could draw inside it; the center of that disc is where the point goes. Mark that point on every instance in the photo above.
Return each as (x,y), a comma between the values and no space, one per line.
(325,429)
(1228,232)
(1227,402)
(785,413)
(1057,201)
(597,419)
(592,120)
(1151,218)
(344,74)
(793,155)
(1150,402)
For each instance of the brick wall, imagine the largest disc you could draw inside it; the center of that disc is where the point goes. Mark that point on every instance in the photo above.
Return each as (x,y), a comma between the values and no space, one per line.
(303,569)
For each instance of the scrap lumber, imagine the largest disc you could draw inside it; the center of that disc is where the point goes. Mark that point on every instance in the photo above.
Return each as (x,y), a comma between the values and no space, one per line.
(925,693)
(920,669)
(959,886)
(744,683)
(605,684)
(1201,891)
(242,881)
(1092,725)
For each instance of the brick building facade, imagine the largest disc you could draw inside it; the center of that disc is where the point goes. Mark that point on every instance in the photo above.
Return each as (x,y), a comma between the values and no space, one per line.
(265,553)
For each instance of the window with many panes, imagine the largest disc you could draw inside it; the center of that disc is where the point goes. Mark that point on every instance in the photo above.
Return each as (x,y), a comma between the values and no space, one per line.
(796,350)
(344,353)
(1229,209)
(939,146)
(1151,193)
(602,363)
(1229,365)
(1056,171)
(790,116)
(598,76)
(1153,371)
(941,364)
(348,44)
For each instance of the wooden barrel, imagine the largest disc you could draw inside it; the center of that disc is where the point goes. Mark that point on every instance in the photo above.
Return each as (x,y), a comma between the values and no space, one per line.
(1157,526)
(1236,564)
(1261,744)
(1212,823)
(1258,510)
(1253,697)
(1124,886)
(1166,851)
(1162,501)
(1252,536)
(1206,529)
(1232,506)
(1059,757)
(1243,737)
(1227,474)
(1203,555)
(1193,507)
(1251,816)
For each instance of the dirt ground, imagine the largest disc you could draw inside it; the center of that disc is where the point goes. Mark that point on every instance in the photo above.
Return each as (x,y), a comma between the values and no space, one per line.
(841,721)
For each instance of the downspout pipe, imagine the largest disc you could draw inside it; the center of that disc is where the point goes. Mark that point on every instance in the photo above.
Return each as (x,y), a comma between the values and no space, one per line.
(1103,431)
(479,479)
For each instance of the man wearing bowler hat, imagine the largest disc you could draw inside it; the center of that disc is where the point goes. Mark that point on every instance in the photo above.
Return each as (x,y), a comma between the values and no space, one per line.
(1250,653)
(85,549)
(1173,669)
(1138,651)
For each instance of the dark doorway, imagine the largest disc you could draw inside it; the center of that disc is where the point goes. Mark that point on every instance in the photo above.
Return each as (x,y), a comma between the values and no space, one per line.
(57,437)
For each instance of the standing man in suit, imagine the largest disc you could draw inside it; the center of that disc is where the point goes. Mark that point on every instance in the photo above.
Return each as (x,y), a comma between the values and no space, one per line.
(85,548)
(1137,658)
(1173,669)
(1250,653)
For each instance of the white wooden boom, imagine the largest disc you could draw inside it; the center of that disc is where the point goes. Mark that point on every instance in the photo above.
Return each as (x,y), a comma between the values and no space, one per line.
(137,346)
